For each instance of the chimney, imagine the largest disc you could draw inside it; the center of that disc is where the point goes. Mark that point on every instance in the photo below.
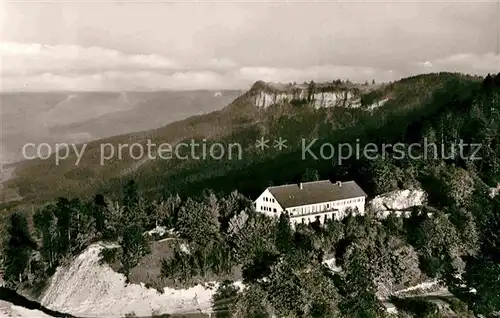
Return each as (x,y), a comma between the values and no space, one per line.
(301,186)
(339,183)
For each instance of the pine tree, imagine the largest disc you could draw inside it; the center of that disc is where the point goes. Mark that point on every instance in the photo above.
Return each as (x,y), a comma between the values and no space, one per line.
(17,250)
(284,234)
(46,230)
(99,212)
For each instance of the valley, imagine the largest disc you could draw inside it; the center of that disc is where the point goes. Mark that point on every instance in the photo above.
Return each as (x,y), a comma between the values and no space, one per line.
(424,221)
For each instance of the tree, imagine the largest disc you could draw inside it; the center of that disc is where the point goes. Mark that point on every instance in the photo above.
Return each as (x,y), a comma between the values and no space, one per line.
(130,200)
(17,250)
(459,186)
(85,228)
(285,292)
(99,209)
(237,222)
(466,227)
(334,232)
(134,245)
(483,275)
(311,90)
(46,231)
(359,289)
(161,212)
(255,238)
(385,175)
(64,214)
(284,234)
(396,263)
(482,271)
(197,223)
(251,303)
(310,175)
(321,295)
(173,203)
(223,299)
(212,204)
(440,246)
(114,223)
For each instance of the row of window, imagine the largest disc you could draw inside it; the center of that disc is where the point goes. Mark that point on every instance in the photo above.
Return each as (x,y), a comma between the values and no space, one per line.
(325,217)
(266,208)
(324,207)
(269,199)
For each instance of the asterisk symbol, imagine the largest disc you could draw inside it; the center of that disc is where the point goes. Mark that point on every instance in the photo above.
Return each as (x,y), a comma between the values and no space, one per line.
(261,143)
(280,144)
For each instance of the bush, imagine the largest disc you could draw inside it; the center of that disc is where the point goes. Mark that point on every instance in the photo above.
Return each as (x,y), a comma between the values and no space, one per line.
(108,256)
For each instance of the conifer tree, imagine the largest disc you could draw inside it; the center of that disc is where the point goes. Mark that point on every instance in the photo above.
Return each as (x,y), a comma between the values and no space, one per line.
(17,250)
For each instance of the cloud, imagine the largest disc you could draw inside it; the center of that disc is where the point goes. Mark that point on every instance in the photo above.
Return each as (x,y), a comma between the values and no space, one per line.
(427,64)
(489,62)
(113,81)
(32,59)
(470,63)
(219,45)
(36,67)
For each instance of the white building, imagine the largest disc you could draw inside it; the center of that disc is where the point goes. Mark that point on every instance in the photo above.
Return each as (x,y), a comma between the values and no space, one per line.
(312,201)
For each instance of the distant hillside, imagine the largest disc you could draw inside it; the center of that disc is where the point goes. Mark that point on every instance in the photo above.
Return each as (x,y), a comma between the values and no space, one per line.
(379,113)
(76,117)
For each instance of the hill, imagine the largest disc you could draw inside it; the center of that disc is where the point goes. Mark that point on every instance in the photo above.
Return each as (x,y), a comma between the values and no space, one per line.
(77,117)
(451,239)
(407,103)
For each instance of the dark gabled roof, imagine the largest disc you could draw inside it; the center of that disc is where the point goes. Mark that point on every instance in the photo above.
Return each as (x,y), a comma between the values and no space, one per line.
(290,195)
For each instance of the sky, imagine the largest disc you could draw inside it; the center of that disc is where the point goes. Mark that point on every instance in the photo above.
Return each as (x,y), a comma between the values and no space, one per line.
(153,45)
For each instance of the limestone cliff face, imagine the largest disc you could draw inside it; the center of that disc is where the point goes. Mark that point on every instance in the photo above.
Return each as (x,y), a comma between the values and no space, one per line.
(399,202)
(267,94)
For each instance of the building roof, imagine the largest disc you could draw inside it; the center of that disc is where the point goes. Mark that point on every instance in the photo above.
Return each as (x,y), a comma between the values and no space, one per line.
(290,195)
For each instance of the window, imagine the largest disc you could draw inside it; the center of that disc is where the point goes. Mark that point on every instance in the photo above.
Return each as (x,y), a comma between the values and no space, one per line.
(274,210)
(328,206)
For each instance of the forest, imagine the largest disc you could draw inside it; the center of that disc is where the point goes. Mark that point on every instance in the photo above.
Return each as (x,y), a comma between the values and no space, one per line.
(453,239)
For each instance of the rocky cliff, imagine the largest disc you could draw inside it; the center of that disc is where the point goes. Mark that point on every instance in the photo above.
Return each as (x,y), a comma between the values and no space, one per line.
(318,95)
(399,202)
